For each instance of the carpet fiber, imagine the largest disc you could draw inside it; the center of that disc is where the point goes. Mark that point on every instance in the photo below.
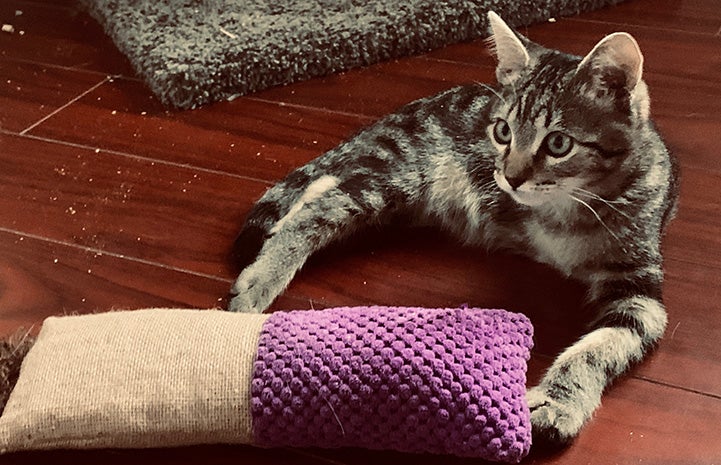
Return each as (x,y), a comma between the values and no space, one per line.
(193,52)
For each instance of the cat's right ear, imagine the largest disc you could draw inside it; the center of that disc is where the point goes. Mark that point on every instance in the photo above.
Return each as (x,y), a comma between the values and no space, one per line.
(611,73)
(510,52)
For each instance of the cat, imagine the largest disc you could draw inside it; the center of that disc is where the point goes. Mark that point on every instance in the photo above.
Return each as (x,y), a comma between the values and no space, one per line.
(560,162)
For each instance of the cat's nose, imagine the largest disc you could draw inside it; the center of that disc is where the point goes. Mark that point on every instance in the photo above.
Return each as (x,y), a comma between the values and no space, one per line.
(515,181)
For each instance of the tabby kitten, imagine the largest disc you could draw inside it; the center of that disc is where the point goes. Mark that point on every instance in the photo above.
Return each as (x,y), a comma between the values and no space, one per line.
(560,162)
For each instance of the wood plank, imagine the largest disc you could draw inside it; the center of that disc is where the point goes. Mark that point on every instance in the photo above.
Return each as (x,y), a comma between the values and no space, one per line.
(687,112)
(697,53)
(695,234)
(691,57)
(699,16)
(55,33)
(245,137)
(402,81)
(690,345)
(647,423)
(30,92)
(692,138)
(699,104)
(300,134)
(41,278)
(129,206)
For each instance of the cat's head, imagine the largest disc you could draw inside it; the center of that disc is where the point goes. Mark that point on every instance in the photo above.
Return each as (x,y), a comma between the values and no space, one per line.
(564,125)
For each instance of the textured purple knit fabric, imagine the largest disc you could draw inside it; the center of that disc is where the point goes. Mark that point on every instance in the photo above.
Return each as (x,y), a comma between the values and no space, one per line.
(446,381)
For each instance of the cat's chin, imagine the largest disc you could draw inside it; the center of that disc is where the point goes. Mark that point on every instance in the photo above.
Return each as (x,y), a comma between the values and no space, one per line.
(528,199)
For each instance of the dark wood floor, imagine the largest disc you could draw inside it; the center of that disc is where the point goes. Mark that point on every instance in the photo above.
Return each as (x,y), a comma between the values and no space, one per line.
(108,201)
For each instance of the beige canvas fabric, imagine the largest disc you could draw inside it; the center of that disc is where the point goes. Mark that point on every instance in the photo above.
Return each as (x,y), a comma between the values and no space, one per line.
(132,379)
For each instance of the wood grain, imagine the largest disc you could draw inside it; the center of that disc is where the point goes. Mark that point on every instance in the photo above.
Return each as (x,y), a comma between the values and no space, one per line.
(695,234)
(51,278)
(699,16)
(29,92)
(42,278)
(57,34)
(691,343)
(402,81)
(245,137)
(127,206)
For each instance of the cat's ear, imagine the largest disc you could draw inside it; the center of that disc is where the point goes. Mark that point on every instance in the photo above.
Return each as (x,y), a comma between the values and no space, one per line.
(510,52)
(612,70)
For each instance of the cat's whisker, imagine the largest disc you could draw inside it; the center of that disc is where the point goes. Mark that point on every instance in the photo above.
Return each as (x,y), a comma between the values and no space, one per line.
(601,199)
(579,191)
(592,194)
(490,185)
(495,92)
(598,217)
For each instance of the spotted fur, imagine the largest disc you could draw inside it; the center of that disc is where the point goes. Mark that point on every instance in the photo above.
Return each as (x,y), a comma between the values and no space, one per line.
(560,161)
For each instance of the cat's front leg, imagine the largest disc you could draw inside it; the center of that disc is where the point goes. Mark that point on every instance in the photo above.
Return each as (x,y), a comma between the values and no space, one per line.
(629,326)
(298,217)
(284,228)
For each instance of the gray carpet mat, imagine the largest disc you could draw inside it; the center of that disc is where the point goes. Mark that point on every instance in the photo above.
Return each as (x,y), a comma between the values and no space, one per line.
(193,52)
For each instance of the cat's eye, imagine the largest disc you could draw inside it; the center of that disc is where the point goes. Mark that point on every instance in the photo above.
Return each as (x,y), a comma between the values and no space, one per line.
(502,132)
(558,144)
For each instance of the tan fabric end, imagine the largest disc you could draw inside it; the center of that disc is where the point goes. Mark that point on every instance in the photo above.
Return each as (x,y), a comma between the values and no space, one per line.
(133,379)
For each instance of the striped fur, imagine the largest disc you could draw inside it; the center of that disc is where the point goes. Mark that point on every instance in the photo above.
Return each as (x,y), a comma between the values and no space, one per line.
(559,162)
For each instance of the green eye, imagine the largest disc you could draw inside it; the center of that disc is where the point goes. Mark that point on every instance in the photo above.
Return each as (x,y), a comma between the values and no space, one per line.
(502,132)
(558,144)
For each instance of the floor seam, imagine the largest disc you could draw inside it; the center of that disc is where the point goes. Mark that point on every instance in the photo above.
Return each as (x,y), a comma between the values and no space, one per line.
(550,359)
(133,156)
(134,259)
(281,103)
(640,26)
(676,386)
(101,252)
(66,105)
(77,68)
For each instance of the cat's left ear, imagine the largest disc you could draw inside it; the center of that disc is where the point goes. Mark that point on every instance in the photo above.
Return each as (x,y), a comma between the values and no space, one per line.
(612,70)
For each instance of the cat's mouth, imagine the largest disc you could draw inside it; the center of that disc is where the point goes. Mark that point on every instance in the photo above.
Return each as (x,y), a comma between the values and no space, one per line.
(525,194)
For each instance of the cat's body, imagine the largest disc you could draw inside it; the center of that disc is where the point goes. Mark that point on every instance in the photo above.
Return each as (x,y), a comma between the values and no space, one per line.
(560,163)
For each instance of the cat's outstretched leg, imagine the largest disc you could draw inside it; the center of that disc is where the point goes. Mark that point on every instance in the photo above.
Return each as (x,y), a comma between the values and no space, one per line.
(571,389)
(285,241)
(289,224)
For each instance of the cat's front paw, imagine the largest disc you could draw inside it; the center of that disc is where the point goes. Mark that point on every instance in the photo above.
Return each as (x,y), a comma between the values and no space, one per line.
(249,294)
(240,303)
(555,423)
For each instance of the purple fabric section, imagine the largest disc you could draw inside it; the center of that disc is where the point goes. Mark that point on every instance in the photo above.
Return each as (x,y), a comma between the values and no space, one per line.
(445,381)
